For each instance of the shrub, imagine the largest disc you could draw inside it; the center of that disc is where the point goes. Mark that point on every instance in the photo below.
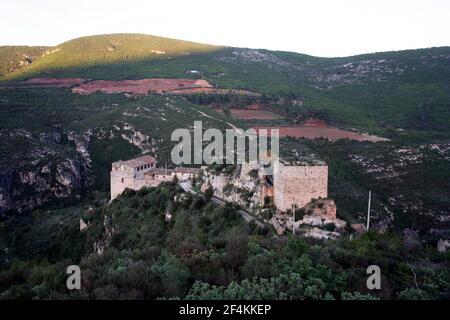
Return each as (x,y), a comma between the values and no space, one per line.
(209,193)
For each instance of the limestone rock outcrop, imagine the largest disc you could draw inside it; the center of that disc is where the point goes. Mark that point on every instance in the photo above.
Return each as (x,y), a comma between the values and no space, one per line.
(443,245)
(48,169)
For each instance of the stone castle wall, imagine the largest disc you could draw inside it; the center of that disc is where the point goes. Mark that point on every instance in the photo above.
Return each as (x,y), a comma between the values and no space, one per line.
(124,177)
(121,178)
(298,185)
(292,185)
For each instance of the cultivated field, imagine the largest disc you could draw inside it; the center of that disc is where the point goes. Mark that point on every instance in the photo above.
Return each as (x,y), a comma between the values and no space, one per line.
(332,134)
(141,86)
(246,114)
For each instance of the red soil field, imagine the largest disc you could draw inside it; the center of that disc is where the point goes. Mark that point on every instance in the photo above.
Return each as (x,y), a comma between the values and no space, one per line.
(254,107)
(246,114)
(313,122)
(141,86)
(332,134)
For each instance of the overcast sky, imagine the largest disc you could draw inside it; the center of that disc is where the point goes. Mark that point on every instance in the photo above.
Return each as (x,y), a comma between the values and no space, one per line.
(316,27)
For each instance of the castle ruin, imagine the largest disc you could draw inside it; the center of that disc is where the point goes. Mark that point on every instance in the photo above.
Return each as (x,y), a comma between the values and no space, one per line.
(296,186)
(289,186)
(142,172)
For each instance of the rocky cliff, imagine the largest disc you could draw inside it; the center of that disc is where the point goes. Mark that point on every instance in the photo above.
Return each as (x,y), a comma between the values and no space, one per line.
(240,185)
(46,169)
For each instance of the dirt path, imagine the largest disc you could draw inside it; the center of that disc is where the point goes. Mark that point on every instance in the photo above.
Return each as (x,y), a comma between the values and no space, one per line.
(211,117)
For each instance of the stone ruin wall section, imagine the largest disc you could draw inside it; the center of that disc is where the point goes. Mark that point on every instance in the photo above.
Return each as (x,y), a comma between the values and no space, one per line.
(299,185)
(120,180)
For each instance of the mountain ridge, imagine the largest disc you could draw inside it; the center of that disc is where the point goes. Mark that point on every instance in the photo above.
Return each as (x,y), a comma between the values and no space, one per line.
(108,47)
(408,89)
(171,46)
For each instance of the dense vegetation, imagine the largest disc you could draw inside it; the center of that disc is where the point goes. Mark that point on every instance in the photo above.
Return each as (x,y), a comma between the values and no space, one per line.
(15,57)
(95,53)
(205,252)
(421,185)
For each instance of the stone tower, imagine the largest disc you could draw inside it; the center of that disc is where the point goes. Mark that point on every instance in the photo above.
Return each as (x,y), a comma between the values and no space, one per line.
(298,185)
(125,174)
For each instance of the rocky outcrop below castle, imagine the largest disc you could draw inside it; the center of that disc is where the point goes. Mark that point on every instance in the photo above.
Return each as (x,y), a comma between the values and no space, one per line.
(47,169)
(316,220)
(237,184)
(247,186)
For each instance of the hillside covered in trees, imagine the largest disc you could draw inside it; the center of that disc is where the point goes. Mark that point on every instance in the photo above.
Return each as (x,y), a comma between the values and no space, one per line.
(203,251)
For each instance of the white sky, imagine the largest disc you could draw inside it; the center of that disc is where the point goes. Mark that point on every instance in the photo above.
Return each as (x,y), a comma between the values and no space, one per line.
(316,27)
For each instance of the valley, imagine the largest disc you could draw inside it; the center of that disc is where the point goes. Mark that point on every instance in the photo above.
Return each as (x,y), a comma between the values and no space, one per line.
(379,121)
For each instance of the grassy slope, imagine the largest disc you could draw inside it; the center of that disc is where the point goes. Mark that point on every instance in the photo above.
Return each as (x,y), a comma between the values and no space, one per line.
(94,51)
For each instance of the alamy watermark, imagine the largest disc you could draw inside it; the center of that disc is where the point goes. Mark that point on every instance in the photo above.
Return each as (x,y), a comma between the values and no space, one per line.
(374,280)
(74,280)
(237,147)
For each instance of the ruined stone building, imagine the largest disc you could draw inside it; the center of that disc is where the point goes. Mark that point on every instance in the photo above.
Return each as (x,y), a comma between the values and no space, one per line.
(298,185)
(286,187)
(142,172)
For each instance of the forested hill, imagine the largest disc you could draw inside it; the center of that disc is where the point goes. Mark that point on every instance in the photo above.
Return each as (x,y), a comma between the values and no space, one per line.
(16,57)
(74,56)
(397,90)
